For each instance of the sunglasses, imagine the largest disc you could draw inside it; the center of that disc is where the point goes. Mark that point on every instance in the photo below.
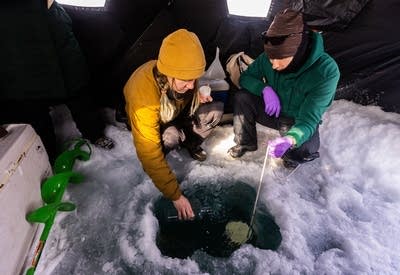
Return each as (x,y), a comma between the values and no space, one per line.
(276,40)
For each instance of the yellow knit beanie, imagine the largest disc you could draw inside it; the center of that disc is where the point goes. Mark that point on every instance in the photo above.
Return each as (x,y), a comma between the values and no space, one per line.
(181,56)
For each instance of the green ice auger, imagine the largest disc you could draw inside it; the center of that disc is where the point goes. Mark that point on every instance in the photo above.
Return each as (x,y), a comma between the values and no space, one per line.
(53,188)
(52,191)
(66,160)
(45,214)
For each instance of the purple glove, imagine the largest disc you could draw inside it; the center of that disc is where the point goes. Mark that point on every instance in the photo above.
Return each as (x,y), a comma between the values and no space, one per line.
(279,146)
(271,100)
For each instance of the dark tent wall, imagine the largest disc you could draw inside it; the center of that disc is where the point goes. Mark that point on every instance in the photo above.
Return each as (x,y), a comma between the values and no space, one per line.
(368,53)
(106,33)
(329,15)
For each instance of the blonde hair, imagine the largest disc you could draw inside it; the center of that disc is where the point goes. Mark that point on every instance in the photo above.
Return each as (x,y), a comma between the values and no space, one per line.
(168,110)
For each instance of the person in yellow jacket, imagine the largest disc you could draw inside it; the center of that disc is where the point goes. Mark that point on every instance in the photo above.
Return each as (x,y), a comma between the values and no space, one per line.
(165,111)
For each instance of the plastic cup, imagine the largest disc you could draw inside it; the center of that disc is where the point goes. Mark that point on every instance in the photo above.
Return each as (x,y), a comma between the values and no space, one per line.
(205,90)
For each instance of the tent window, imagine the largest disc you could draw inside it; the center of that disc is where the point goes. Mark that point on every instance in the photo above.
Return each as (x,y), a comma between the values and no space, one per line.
(83,3)
(253,8)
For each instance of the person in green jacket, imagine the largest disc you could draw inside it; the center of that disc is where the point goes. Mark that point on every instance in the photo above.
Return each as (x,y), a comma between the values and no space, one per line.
(288,87)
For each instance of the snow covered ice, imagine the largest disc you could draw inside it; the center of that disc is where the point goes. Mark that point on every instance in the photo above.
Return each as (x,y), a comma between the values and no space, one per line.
(338,215)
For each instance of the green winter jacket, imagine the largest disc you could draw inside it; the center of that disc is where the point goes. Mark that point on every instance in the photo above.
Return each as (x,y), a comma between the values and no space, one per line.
(305,94)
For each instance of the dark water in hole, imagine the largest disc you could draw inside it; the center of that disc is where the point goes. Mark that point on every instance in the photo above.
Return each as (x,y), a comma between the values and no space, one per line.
(215,205)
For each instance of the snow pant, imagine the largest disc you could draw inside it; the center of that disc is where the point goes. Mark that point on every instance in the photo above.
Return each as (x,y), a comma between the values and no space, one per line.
(249,109)
(191,131)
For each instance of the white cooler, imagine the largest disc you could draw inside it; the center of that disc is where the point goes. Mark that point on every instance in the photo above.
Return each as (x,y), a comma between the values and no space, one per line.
(24,164)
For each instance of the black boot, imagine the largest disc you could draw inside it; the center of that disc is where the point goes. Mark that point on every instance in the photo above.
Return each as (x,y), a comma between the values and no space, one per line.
(197,153)
(291,161)
(105,143)
(194,148)
(238,150)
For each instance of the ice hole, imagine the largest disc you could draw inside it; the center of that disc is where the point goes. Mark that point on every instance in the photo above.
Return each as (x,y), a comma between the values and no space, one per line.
(216,205)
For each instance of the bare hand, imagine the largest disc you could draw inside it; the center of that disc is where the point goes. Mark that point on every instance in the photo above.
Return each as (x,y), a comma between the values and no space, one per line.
(184,208)
(205,99)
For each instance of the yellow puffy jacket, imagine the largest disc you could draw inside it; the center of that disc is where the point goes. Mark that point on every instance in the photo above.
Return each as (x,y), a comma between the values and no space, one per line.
(142,97)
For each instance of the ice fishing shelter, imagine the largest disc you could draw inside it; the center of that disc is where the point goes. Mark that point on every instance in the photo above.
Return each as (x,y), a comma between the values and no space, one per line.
(43,62)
